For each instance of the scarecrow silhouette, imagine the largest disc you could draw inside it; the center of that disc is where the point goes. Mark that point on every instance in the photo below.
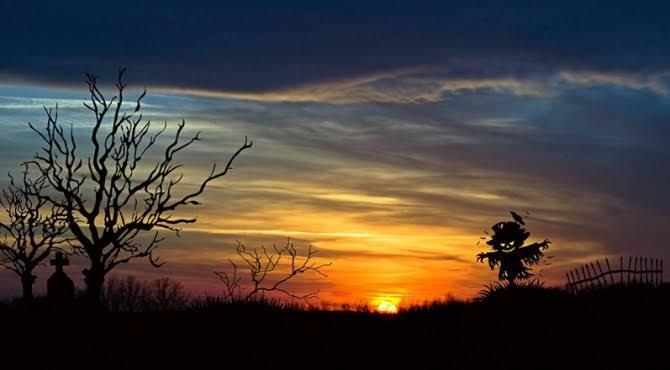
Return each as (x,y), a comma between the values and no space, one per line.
(509,254)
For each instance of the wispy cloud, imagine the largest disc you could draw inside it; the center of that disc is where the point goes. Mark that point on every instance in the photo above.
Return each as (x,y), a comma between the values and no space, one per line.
(427,85)
(658,82)
(403,86)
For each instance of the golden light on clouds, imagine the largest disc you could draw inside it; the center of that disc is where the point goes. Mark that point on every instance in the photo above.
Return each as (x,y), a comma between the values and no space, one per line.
(406,236)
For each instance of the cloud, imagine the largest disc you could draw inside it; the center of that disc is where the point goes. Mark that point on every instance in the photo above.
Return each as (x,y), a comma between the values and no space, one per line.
(410,86)
(657,82)
(267,49)
(425,85)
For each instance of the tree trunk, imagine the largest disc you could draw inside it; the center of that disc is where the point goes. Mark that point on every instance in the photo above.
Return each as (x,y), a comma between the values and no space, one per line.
(94,277)
(27,280)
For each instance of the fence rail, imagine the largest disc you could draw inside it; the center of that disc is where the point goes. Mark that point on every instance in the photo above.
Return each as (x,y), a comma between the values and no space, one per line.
(640,271)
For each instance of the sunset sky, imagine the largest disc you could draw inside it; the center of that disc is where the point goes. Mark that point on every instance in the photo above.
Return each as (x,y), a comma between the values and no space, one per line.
(387,134)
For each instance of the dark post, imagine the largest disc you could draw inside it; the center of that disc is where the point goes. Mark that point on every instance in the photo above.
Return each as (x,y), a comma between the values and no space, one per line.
(646,271)
(660,271)
(595,279)
(602,275)
(609,270)
(574,282)
(587,280)
(637,269)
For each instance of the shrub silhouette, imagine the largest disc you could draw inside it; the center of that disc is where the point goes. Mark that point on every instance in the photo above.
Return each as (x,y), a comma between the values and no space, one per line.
(129,294)
(166,294)
(509,254)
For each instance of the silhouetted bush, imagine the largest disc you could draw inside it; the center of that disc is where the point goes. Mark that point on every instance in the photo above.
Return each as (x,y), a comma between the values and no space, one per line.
(446,303)
(166,295)
(128,294)
(123,294)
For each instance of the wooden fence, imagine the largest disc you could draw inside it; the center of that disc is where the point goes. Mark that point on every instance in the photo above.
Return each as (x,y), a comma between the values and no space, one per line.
(640,271)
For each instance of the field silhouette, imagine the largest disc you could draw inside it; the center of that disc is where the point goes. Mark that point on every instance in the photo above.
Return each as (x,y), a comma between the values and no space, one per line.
(524,327)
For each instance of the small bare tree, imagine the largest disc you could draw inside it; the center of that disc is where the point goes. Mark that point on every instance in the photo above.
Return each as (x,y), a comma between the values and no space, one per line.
(270,271)
(111,201)
(232,289)
(34,228)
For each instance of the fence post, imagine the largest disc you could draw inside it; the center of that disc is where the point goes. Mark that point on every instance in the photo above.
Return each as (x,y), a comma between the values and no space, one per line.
(589,282)
(646,271)
(595,275)
(575,287)
(602,275)
(609,270)
(630,265)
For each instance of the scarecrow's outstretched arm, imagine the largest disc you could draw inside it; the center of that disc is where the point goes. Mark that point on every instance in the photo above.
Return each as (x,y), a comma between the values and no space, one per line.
(493,258)
(532,253)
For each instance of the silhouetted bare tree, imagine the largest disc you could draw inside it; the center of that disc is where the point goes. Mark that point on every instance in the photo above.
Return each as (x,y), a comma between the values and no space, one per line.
(110,200)
(232,288)
(33,229)
(268,273)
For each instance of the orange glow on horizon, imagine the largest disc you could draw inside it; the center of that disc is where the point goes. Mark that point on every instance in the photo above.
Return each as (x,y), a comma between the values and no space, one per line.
(382,243)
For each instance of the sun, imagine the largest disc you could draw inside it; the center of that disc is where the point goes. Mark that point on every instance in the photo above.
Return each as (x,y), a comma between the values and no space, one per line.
(387,305)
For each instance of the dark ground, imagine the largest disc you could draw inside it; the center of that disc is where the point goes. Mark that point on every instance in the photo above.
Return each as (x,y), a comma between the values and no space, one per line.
(533,329)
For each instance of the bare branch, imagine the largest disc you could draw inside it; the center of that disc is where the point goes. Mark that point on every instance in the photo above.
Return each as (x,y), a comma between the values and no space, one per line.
(271,271)
(231,282)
